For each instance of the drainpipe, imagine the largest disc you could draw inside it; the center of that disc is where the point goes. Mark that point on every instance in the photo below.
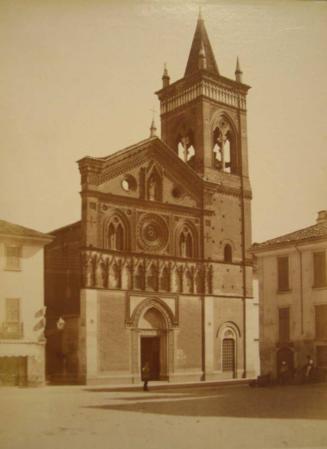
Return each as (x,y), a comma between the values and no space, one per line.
(203,348)
(301,288)
(242,234)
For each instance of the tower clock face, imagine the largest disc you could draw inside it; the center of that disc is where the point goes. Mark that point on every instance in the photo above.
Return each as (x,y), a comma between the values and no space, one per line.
(152,232)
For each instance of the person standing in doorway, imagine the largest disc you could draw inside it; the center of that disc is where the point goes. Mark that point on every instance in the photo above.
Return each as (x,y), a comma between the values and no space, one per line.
(146,376)
(308,370)
(283,373)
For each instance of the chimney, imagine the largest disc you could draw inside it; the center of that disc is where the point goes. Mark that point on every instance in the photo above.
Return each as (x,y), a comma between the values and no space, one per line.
(322,216)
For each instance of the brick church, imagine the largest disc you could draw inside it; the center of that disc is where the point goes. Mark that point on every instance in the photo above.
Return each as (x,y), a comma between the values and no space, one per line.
(157,269)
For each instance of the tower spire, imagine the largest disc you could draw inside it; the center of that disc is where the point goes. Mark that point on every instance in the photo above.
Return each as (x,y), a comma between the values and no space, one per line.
(165,76)
(238,71)
(200,39)
(153,128)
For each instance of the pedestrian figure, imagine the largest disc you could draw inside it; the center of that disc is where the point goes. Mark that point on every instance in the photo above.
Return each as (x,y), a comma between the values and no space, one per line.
(145,376)
(283,373)
(308,370)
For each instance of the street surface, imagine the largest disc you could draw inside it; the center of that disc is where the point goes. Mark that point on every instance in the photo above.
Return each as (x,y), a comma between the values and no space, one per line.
(224,417)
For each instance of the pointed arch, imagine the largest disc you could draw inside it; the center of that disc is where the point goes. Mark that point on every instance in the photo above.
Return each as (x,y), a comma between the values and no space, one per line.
(152,319)
(186,240)
(154,184)
(116,232)
(225,151)
(185,146)
(158,305)
(165,279)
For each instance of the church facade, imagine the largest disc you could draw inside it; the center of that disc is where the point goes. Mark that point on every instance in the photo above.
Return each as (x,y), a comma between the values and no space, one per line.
(158,270)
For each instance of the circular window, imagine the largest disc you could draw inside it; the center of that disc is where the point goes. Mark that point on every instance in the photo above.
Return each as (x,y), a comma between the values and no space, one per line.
(152,232)
(129,183)
(177,192)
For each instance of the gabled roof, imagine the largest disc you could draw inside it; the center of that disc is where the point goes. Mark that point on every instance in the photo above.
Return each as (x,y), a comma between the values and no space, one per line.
(15,230)
(201,44)
(315,232)
(153,146)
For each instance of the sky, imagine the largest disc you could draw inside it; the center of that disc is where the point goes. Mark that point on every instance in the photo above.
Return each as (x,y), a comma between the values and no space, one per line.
(78,78)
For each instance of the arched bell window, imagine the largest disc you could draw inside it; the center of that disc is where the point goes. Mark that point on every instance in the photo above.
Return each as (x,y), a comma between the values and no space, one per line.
(185,147)
(225,157)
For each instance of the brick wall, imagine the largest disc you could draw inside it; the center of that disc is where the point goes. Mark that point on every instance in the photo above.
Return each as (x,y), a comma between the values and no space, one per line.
(113,337)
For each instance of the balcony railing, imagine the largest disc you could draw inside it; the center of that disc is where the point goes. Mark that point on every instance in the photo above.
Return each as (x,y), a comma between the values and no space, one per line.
(11,331)
(112,270)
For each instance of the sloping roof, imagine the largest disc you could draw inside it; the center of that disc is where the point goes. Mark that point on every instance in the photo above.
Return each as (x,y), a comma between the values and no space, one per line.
(201,42)
(156,145)
(311,233)
(75,224)
(15,230)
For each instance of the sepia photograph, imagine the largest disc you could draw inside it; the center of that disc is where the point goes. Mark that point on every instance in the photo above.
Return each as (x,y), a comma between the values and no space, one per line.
(163,224)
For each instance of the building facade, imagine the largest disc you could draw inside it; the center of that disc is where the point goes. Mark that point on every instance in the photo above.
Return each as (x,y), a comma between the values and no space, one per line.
(22,322)
(157,270)
(292,277)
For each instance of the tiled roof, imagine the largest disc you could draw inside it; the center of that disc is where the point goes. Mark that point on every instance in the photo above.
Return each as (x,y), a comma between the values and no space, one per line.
(7,228)
(315,232)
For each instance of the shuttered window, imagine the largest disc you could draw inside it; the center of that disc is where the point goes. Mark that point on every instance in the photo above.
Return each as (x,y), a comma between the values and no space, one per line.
(319,269)
(321,322)
(284,324)
(13,256)
(283,273)
(12,310)
(322,356)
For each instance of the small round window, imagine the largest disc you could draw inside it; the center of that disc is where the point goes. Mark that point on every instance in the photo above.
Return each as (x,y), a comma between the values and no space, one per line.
(177,192)
(129,183)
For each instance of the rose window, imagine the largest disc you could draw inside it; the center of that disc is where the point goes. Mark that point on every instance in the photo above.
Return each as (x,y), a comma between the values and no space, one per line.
(152,232)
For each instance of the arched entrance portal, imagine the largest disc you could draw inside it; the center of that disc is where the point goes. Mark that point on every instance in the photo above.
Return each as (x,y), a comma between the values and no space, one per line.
(152,339)
(153,342)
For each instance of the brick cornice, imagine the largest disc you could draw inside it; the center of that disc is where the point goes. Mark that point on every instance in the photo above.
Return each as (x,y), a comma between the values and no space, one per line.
(117,200)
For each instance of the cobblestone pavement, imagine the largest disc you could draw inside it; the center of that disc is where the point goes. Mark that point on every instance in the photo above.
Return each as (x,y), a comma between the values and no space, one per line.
(225,417)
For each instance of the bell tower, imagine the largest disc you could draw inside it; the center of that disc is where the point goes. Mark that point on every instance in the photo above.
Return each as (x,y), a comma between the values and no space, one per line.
(203,115)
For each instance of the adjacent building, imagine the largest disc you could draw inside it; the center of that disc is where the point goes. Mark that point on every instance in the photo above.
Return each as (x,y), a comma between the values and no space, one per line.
(292,275)
(157,270)
(22,322)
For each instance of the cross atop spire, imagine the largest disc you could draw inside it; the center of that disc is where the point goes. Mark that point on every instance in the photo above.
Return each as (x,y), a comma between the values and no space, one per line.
(201,43)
